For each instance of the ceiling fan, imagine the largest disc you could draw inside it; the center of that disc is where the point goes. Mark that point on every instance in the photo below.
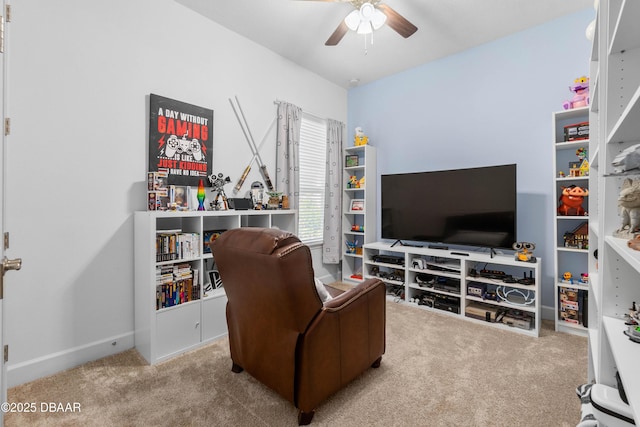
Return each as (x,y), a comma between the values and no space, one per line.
(369,16)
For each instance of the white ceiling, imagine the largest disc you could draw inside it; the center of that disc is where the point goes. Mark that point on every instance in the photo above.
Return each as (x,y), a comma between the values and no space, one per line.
(297,30)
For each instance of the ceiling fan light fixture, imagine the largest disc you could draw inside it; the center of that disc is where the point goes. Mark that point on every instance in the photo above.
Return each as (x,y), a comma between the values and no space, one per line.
(378,19)
(353,20)
(365,28)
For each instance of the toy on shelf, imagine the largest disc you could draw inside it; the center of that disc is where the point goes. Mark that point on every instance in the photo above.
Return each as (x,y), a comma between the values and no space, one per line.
(351,246)
(360,138)
(274,199)
(524,251)
(571,201)
(218,183)
(358,228)
(353,182)
(578,238)
(567,277)
(580,87)
(581,167)
(627,160)
(629,203)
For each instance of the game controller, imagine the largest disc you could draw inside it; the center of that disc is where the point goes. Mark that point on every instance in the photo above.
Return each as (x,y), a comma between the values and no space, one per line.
(172,146)
(195,149)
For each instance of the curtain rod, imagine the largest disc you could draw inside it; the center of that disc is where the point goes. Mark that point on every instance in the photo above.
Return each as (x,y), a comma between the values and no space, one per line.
(278,102)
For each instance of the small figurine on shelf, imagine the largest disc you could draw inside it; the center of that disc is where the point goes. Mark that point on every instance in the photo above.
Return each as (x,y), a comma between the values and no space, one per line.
(274,199)
(584,278)
(351,246)
(257,195)
(360,138)
(524,251)
(353,182)
(218,183)
(567,277)
(361,182)
(580,87)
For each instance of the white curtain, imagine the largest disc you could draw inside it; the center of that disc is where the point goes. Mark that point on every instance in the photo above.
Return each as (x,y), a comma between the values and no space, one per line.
(287,152)
(333,194)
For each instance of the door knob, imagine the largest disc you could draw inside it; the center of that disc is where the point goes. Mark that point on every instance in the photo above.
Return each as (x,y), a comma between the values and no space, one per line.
(11,264)
(6,265)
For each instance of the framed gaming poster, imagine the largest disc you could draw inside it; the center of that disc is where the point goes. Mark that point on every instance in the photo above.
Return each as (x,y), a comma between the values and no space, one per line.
(180,140)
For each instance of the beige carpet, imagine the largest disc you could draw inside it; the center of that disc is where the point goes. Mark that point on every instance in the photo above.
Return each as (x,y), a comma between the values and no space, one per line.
(437,371)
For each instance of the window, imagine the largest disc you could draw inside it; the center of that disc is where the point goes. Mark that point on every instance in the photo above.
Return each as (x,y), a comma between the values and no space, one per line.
(313,157)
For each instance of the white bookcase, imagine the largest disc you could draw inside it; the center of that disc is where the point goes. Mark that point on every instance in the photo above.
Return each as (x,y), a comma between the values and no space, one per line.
(615,125)
(571,254)
(358,225)
(460,283)
(162,333)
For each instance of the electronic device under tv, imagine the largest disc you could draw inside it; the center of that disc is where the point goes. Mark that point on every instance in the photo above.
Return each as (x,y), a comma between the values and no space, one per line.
(464,207)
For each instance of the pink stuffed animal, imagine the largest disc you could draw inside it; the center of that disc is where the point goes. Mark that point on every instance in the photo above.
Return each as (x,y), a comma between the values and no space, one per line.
(581,98)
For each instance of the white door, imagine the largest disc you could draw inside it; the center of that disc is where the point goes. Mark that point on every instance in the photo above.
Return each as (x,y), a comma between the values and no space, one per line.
(5,264)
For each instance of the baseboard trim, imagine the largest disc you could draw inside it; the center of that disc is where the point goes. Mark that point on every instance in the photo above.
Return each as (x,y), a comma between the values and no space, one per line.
(24,372)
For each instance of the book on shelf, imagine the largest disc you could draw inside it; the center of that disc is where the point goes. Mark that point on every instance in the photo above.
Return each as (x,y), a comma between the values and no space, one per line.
(175,246)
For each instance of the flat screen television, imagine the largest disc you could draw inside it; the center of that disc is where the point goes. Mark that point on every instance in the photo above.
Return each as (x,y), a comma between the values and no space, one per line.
(465,207)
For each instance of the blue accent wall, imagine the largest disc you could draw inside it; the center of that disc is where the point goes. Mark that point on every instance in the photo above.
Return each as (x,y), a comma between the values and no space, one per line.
(489,105)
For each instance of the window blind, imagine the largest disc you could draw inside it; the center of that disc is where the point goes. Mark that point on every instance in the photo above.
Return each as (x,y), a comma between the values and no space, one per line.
(313,157)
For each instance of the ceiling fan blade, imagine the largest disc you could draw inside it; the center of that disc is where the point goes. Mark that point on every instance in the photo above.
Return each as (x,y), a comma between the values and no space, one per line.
(337,35)
(397,21)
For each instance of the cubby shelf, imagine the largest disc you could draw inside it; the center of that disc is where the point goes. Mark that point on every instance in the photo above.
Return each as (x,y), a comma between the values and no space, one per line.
(165,332)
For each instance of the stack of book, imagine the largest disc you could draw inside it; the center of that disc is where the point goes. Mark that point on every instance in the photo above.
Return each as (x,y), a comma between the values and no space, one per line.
(176,284)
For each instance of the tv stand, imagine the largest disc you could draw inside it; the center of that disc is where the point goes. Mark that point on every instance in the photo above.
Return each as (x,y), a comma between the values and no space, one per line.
(471,285)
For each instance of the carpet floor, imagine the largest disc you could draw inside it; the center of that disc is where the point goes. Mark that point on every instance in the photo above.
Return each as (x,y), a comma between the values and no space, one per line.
(437,371)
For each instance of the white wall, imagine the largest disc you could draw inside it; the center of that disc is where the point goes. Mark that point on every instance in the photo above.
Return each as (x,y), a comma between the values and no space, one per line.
(79,77)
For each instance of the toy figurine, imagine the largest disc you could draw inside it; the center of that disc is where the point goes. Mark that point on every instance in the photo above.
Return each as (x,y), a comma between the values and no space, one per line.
(360,138)
(629,203)
(218,183)
(524,251)
(567,277)
(571,200)
(581,98)
(353,182)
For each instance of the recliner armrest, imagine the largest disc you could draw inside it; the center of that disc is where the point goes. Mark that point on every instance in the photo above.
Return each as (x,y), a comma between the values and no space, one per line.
(349,296)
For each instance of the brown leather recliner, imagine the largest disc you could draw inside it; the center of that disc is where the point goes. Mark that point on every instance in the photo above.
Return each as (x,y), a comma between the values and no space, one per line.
(280,331)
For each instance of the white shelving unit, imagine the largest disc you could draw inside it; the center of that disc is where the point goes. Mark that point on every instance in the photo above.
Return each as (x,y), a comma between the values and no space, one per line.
(162,333)
(358,225)
(452,282)
(615,125)
(570,256)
